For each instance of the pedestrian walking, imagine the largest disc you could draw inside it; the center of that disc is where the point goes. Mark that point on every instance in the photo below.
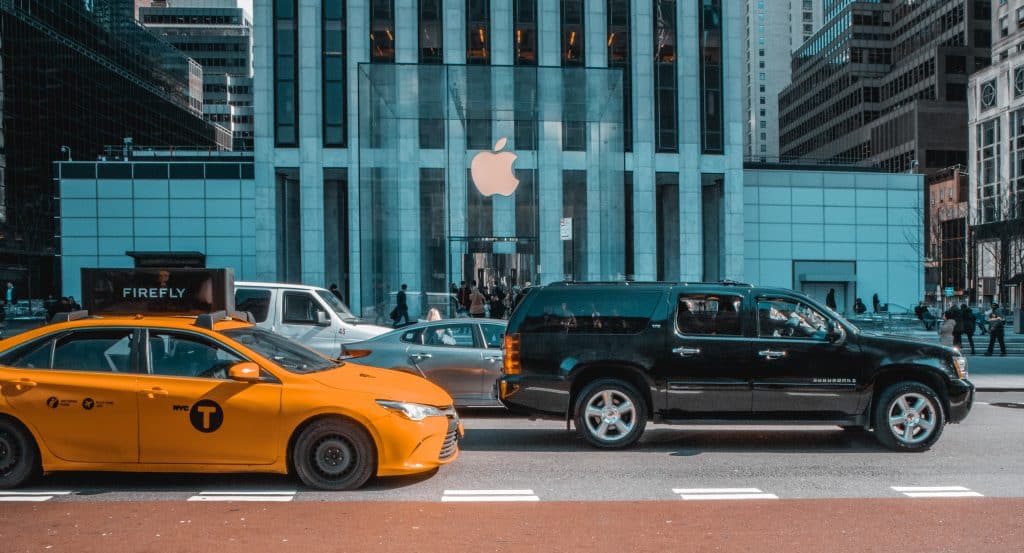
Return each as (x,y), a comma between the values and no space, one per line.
(958,329)
(946,329)
(995,330)
(968,320)
(401,312)
(875,303)
(983,321)
(464,292)
(476,303)
(859,307)
(830,299)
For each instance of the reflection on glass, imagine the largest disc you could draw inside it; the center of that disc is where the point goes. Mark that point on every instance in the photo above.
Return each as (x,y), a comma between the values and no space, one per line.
(574,206)
(382,34)
(572,33)
(666,121)
(712,120)
(431,37)
(524,21)
(286,110)
(667,225)
(334,101)
(618,56)
(478,39)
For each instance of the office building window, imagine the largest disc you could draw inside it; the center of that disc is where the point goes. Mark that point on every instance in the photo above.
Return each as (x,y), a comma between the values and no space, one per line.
(574,206)
(431,32)
(666,119)
(618,56)
(712,117)
(478,28)
(382,31)
(713,222)
(524,21)
(286,73)
(433,242)
(627,208)
(1016,147)
(667,225)
(572,33)
(333,42)
(989,169)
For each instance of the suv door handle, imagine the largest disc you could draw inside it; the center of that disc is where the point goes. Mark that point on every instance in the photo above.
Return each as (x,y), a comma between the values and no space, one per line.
(771,354)
(419,356)
(154,392)
(686,352)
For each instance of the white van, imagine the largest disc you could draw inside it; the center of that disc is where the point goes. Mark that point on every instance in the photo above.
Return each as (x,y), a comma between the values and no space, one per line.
(307,314)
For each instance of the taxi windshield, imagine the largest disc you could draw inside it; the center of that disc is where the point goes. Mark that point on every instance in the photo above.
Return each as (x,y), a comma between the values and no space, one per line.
(289,355)
(336,304)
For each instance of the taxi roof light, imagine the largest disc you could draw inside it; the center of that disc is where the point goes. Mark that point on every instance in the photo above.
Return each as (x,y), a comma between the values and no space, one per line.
(68,316)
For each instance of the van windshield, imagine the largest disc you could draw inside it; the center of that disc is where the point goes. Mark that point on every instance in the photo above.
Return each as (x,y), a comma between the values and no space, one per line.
(287,354)
(336,305)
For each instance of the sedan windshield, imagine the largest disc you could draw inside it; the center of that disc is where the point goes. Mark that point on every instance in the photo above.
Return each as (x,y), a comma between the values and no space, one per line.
(285,353)
(335,304)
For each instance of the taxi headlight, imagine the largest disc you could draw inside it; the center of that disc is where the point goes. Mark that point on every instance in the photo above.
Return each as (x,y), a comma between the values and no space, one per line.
(960,364)
(411,411)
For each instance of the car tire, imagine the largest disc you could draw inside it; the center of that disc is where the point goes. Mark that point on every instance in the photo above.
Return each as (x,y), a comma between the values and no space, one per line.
(19,458)
(908,416)
(610,414)
(334,454)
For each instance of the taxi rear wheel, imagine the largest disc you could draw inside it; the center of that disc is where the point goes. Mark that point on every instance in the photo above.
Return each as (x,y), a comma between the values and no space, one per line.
(334,454)
(18,456)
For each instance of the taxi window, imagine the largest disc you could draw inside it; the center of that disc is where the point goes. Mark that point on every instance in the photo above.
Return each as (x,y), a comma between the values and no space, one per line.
(255,301)
(34,355)
(182,354)
(94,350)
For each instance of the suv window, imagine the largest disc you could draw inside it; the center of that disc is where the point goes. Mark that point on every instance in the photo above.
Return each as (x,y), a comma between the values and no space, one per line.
(182,354)
(590,311)
(790,318)
(300,308)
(94,350)
(709,314)
(255,301)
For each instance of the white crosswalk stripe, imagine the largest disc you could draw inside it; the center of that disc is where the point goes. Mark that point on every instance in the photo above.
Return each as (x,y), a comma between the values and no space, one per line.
(30,497)
(469,496)
(279,496)
(705,494)
(936,491)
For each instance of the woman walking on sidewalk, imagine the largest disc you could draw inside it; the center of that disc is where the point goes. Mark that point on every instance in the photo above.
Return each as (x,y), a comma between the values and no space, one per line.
(946,329)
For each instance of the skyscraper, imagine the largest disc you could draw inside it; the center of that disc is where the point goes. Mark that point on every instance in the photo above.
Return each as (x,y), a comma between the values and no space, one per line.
(774,30)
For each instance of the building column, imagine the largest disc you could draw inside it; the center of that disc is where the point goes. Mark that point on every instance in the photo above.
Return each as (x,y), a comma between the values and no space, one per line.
(358,51)
(503,93)
(691,224)
(455,136)
(263,130)
(311,173)
(732,44)
(549,154)
(408,167)
(645,235)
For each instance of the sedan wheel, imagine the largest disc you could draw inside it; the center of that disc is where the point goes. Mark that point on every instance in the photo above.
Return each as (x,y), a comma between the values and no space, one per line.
(610,414)
(334,454)
(908,417)
(18,457)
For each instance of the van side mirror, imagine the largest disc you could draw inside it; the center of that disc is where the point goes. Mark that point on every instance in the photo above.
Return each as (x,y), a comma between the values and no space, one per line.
(245,372)
(323,319)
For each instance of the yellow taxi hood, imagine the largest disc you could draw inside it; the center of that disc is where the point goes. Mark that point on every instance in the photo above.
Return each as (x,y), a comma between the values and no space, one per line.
(384,384)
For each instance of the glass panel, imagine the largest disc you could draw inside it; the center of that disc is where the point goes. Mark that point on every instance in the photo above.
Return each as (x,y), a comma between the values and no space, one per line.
(666,120)
(430,35)
(478,38)
(667,225)
(334,97)
(713,219)
(382,31)
(256,302)
(709,314)
(180,354)
(712,118)
(580,311)
(572,33)
(787,318)
(524,21)
(94,350)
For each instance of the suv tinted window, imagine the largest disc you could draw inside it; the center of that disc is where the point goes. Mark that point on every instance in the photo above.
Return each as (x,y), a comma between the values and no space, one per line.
(590,311)
(254,301)
(789,318)
(709,314)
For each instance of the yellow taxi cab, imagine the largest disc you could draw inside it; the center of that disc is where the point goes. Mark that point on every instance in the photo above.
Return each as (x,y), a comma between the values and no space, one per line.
(209,393)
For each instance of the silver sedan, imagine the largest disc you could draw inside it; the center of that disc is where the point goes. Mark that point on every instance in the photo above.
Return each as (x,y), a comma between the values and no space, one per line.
(463,356)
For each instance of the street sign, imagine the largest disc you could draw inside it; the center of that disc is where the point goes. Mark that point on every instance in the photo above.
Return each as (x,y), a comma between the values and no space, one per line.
(948,292)
(565,228)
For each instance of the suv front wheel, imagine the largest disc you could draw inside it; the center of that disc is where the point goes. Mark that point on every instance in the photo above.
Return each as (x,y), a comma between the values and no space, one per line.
(908,417)
(610,414)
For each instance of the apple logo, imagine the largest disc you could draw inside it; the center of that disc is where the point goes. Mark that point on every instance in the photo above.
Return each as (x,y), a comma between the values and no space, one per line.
(492,171)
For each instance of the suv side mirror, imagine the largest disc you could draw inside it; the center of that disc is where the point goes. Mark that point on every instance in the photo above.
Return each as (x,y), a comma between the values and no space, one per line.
(833,332)
(245,372)
(323,319)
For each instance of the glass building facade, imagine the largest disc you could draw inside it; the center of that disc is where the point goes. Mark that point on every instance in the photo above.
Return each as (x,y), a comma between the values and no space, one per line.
(74,81)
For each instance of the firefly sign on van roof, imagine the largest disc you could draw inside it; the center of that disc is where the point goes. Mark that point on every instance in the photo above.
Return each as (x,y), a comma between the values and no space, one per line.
(158,291)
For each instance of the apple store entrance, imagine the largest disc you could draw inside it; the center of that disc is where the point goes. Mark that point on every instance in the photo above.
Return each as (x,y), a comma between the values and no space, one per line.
(468,172)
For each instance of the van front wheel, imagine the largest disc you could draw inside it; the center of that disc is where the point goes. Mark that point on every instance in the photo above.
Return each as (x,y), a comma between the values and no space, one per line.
(610,414)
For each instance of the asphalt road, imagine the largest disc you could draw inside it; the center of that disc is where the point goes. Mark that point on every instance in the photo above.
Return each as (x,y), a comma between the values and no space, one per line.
(539,461)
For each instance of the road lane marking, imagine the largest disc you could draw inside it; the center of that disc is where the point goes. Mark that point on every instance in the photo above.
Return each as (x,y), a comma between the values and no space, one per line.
(30,496)
(503,496)
(705,494)
(936,491)
(279,496)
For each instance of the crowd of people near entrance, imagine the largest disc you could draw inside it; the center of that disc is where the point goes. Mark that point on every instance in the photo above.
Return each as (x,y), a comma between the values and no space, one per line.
(962,322)
(493,301)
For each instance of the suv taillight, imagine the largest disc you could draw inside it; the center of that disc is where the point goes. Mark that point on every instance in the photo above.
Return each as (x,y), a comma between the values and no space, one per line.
(511,354)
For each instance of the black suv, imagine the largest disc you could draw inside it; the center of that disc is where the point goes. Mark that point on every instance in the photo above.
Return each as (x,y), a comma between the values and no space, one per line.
(611,356)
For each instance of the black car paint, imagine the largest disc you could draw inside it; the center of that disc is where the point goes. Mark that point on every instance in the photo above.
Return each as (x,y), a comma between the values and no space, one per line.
(833,384)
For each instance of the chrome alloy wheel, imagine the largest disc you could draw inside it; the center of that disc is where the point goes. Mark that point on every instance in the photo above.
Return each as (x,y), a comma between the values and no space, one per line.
(912,418)
(610,415)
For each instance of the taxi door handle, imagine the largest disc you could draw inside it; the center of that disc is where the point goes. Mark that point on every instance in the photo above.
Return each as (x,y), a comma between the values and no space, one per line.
(22,383)
(154,392)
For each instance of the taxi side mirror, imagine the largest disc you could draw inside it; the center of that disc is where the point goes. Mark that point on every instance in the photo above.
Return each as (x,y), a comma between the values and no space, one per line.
(245,372)
(323,319)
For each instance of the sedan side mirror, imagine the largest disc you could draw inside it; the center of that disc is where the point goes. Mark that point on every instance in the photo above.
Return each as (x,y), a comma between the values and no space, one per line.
(245,372)
(323,319)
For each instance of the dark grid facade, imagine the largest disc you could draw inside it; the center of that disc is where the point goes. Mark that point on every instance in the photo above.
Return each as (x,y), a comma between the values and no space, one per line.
(885,83)
(68,82)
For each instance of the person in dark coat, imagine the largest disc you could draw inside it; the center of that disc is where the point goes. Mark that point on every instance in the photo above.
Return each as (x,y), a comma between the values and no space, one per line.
(995,331)
(401,307)
(859,307)
(967,321)
(830,299)
(875,303)
(958,328)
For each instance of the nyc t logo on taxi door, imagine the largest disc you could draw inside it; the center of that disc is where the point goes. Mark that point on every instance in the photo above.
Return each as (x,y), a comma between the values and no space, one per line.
(206,416)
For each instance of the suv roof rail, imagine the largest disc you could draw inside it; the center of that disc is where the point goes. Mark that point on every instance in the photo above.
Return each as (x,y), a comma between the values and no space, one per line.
(68,316)
(730,282)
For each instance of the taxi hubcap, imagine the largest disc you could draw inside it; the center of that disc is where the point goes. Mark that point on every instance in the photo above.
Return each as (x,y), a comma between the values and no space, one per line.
(332,456)
(912,418)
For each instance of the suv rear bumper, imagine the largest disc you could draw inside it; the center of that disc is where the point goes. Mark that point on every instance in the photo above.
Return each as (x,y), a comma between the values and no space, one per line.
(549,397)
(961,398)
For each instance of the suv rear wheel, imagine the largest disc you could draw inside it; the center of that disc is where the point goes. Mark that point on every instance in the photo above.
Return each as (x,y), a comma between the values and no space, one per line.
(908,417)
(610,414)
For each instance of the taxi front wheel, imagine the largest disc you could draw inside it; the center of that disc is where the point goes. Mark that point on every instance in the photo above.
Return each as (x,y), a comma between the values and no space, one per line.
(18,456)
(334,454)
